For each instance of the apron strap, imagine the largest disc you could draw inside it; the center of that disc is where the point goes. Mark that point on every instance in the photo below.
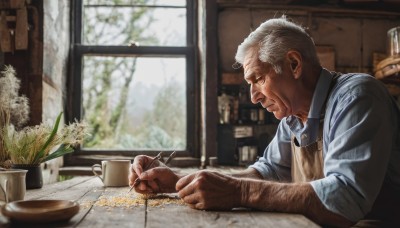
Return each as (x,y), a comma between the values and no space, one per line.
(307,161)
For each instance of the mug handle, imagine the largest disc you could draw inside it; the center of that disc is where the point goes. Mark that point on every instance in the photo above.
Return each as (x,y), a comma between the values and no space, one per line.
(4,191)
(95,173)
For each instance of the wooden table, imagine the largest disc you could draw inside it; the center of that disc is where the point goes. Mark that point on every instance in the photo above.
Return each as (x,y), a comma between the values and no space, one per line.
(96,209)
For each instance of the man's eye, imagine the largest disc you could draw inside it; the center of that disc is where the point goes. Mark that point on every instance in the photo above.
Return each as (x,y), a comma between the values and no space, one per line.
(260,80)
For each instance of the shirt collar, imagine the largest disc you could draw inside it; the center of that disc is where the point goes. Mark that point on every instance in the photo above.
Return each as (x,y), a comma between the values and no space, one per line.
(308,133)
(320,93)
(317,102)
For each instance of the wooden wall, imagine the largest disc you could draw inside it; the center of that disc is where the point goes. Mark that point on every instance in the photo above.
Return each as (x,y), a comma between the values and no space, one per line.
(354,36)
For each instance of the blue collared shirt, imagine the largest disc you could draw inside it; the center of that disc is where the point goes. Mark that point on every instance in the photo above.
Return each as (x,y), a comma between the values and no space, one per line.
(361,143)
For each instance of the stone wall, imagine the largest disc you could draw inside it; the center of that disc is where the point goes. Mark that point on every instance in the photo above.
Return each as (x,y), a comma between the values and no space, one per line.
(56,44)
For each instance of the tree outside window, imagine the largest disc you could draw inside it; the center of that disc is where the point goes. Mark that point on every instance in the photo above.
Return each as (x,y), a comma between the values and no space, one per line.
(132,72)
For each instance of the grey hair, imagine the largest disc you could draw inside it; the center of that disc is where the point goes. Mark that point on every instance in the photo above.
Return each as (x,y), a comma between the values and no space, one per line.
(274,38)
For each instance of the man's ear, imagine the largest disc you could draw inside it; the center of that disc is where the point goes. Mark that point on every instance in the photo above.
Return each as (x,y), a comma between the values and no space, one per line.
(296,63)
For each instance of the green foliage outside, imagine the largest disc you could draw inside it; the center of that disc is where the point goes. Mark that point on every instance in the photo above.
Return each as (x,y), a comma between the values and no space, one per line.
(107,86)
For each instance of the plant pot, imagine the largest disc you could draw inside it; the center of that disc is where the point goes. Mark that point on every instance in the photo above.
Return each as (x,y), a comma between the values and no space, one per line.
(34,178)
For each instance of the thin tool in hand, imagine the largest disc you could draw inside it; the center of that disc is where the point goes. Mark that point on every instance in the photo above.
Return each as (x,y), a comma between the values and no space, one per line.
(137,181)
(170,157)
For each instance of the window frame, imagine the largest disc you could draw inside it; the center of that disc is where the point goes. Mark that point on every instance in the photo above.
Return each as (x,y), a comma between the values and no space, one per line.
(74,83)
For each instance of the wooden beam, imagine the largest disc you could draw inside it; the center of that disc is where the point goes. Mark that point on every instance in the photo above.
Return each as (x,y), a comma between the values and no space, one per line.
(21,30)
(5,36)
(209,82)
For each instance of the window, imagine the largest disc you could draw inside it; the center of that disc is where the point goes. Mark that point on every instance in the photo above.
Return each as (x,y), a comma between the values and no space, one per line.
(133,76)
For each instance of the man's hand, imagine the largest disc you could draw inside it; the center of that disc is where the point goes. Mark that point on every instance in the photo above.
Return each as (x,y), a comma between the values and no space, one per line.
(157,179)
(209,190)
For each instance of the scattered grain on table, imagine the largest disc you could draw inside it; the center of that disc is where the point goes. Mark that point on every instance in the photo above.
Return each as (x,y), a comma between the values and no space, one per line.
(119,201)
(161,200)
(136,199)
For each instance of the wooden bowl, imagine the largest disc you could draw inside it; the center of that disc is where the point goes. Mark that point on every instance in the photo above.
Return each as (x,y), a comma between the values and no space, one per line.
(40,211)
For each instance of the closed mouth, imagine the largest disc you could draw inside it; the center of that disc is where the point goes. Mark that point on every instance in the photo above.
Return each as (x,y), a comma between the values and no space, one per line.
(266,106)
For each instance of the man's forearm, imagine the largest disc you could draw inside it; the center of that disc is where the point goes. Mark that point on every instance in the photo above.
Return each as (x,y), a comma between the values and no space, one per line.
(288,197)
(248,173)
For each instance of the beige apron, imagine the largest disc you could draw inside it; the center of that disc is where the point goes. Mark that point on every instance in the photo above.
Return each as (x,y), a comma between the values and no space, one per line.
(307,161)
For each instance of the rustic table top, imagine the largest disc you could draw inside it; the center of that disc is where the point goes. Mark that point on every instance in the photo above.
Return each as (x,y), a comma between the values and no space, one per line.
(114,207)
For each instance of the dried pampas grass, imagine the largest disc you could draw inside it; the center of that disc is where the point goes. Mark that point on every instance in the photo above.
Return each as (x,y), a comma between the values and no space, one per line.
(33,144)
(14,109)
(36,144)
(12,105)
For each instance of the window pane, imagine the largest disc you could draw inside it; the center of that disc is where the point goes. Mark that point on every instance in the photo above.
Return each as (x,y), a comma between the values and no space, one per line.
(135,103)
(146,26)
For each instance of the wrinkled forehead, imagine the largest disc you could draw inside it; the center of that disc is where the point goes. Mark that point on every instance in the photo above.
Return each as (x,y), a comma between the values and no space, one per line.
(253,65)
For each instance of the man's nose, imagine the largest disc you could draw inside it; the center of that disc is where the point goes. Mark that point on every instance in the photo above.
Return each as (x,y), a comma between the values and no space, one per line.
(254,94)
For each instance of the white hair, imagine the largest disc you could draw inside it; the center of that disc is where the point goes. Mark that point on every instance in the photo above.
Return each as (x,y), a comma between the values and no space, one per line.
(273,39)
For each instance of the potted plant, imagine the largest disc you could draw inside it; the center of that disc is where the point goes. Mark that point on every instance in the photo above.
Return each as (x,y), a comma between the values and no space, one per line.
(33,145)
(28,147)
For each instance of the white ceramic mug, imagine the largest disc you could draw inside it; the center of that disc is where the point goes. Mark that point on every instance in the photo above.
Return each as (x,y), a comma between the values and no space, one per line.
(114,172)
(12,184)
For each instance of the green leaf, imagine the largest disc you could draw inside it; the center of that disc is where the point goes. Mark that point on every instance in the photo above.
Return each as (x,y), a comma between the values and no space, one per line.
(62,150)
(42,152)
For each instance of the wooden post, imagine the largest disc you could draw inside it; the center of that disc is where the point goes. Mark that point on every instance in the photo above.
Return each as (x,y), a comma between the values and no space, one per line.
(21,30)
(5,39)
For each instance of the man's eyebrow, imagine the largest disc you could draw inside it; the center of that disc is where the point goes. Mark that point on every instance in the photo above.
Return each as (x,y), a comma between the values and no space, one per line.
(249,77)
(250,73)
